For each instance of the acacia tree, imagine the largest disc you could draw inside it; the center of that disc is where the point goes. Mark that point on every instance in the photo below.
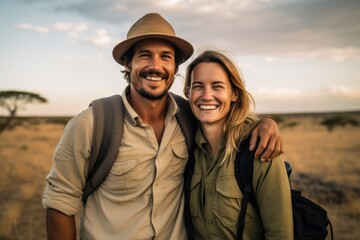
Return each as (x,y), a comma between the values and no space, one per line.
(13,101)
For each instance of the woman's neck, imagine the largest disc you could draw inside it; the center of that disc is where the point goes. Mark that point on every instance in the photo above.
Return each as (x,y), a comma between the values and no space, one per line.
(213,134)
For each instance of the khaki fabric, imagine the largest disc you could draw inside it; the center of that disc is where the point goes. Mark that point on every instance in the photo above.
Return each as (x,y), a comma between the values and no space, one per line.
(215,200)
(142,197)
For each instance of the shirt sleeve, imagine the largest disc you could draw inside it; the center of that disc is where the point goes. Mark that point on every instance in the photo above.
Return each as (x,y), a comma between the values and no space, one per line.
(273,195)
(67,175)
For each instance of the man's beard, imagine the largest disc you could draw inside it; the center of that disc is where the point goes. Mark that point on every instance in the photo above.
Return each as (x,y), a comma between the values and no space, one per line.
(148,95)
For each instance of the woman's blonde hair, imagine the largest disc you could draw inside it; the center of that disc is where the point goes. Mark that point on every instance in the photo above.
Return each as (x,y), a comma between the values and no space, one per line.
(240,119)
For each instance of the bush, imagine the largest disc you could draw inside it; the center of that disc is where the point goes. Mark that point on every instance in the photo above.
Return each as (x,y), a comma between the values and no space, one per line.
(339,120)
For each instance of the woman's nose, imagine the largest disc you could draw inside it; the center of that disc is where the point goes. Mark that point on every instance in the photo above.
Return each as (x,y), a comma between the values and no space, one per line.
(207,93)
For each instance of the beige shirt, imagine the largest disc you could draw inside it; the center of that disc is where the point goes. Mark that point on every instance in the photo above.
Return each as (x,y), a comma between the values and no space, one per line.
(142,197)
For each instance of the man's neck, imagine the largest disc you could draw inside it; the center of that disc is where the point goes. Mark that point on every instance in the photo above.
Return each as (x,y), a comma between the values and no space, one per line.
(148,110)
(151,112)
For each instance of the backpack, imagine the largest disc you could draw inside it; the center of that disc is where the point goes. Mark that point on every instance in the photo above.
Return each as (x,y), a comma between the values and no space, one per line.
(108,128)
(310,219)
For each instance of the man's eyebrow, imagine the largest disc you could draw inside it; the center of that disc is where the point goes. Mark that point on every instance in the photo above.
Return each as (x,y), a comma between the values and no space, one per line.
(143,51)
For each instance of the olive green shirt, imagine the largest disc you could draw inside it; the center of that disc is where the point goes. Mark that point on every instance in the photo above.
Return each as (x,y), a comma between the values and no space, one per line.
(215,200)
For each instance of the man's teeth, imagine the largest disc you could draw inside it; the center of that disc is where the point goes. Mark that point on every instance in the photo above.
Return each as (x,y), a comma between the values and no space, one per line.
(207,107)
(153,78)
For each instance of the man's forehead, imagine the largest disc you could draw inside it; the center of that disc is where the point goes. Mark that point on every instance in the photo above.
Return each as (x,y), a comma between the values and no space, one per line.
(154,44)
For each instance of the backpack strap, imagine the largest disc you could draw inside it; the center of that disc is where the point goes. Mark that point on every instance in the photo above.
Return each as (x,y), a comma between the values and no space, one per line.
(189,170)
(186,119)
(107,133)
(244,167)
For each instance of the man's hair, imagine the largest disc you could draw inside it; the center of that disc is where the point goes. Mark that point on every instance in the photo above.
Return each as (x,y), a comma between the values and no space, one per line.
(240,119)
(127,57)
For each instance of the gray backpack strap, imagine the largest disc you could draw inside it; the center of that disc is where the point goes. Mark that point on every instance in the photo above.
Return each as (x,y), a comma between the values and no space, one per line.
(186,120)
(107,132)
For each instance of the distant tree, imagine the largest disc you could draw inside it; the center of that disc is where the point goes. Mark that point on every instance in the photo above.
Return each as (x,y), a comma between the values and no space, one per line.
(339,120)
(13,101)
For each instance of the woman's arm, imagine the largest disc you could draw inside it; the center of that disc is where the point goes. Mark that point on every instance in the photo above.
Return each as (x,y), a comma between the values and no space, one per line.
(273,196)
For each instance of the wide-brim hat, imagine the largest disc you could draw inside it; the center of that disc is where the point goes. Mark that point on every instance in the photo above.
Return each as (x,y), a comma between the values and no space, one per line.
(152,25)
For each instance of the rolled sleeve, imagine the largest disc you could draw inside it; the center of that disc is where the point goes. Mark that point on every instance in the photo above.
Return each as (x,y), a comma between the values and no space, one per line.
(66,178)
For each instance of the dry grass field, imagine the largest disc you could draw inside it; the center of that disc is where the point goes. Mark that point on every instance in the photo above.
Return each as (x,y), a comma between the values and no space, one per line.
(326,167)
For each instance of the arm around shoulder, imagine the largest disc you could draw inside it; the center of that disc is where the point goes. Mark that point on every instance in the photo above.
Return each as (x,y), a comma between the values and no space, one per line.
(267,134)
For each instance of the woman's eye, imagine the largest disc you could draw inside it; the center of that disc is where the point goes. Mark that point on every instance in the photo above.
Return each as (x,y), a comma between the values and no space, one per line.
(196,86)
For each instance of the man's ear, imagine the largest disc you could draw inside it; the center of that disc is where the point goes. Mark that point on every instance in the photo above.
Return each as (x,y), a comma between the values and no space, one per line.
(127,66)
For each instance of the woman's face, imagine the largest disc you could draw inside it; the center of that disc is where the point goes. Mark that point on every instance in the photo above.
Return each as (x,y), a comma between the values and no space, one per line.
(211,94)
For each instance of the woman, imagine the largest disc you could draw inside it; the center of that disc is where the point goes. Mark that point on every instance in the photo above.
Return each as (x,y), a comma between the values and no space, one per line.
(221,103)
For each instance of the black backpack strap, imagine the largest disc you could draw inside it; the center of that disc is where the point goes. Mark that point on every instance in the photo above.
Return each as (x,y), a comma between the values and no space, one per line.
(244,166)
(189,170)
(186,119)
(107,132)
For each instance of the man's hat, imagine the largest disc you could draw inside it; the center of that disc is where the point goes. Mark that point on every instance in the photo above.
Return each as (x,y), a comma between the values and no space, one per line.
(152,25)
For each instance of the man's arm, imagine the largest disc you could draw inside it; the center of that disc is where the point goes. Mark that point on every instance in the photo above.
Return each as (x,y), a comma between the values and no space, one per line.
(270,144)
(59,225)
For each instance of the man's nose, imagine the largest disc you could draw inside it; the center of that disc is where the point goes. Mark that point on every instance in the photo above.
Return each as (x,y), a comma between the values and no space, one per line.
(155,63)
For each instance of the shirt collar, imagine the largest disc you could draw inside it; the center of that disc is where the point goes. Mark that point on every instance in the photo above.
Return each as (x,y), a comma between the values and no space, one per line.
(135,119)
(202,142)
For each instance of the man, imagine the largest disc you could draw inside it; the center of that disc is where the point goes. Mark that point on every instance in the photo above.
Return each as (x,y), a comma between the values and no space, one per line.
(142,197)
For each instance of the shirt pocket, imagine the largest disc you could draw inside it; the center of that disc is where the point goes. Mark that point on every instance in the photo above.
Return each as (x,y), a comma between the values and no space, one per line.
(179,160)
(228,199)
(123,177)
(195,194)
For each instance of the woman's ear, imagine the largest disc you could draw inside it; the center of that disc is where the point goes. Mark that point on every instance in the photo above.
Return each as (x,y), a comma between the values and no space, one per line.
(187,91)
(235,95)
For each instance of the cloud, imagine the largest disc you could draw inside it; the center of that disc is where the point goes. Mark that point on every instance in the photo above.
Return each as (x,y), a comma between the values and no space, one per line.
(248,27)
(72,29)
(326,92)
(77,57)
(328,98)
(340,91)
(328,54)
(30,27)
(101,39)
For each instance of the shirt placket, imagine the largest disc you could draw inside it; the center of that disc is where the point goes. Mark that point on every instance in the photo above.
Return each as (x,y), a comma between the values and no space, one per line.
(208,195)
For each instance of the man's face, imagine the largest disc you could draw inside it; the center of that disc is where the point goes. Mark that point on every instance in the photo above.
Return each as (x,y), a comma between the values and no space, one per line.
(152,68)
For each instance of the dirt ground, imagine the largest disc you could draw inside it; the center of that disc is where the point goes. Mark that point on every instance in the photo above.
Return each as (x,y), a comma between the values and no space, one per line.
(326,168)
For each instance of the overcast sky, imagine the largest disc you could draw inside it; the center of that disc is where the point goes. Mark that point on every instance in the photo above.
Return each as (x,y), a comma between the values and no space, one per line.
(295,55)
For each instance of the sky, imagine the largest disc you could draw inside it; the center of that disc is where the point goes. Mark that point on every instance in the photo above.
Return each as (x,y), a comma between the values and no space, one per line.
(296,56)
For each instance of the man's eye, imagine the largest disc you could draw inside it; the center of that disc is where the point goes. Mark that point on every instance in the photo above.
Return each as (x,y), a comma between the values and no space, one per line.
(167,57)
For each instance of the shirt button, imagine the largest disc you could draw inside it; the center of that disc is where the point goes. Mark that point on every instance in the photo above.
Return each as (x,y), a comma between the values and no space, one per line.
(209,222)
(210,192)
